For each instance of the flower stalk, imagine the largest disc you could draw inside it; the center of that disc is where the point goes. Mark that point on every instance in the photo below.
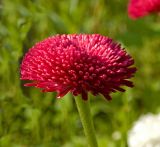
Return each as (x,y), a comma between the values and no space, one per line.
(86,119)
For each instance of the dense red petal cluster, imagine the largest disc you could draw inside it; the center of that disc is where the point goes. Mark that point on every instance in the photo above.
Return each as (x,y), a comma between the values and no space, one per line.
(140,8)
(78,64)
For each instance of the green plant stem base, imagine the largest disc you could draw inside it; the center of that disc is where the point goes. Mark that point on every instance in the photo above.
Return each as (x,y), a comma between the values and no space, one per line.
(85,116)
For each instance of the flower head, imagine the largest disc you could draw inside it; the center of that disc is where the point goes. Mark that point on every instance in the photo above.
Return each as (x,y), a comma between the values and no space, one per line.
(78,64)
(140,8)
(145,132)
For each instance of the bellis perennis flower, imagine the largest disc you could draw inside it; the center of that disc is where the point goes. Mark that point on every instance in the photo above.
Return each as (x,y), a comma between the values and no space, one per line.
(145,132)
(78,64)
(140,8)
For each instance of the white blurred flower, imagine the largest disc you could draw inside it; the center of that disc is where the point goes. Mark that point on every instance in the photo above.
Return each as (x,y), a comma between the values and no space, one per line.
(145,132)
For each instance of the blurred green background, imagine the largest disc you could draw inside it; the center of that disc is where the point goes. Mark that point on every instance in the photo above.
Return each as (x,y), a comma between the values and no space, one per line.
(29,118)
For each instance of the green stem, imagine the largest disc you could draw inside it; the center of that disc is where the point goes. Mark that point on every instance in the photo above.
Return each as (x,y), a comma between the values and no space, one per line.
(85,116)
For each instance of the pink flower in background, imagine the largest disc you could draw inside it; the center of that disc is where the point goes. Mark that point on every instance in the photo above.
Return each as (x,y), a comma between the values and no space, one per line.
(78,64)
(140,8)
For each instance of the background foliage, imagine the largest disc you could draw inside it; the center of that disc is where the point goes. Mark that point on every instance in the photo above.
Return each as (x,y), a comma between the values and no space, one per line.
(29,118)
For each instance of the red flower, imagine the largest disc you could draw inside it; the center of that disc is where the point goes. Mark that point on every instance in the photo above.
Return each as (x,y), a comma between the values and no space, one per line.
(140,8)
(78,64)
